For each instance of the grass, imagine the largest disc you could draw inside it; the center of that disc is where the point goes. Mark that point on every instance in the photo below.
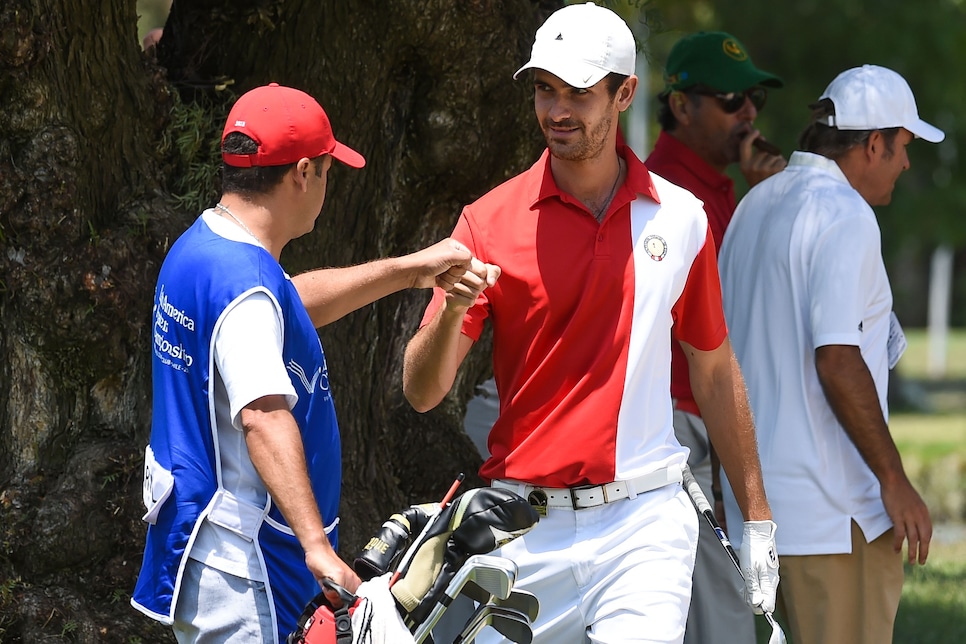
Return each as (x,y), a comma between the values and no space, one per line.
(933,605)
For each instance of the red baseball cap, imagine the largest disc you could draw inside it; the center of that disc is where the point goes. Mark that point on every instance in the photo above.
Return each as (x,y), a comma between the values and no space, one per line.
(287,124)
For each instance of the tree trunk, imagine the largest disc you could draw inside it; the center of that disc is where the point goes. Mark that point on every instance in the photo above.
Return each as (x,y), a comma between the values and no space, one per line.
(107,155)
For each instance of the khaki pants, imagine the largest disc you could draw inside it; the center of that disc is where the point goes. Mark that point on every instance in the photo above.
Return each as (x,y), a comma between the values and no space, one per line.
(843,599)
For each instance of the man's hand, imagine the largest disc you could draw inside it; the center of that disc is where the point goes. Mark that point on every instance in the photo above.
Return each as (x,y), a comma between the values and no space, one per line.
(757,166)
(324,562)
(463,293)
(910,518)
(759,565)
(441,264)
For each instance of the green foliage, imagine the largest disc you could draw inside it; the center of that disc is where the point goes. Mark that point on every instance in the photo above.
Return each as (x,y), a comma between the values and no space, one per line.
(192,140)
(808,42)
(7,589)
(68,628)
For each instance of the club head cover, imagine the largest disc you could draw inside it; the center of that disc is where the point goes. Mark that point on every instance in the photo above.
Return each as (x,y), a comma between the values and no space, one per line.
(491,518)
(477,522)
(381,553)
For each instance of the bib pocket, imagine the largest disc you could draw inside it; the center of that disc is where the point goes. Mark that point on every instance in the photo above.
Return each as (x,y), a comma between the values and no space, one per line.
(157,486)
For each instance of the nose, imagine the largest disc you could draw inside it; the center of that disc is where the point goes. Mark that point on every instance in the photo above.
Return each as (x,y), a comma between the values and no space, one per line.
(559,109)
(748,111)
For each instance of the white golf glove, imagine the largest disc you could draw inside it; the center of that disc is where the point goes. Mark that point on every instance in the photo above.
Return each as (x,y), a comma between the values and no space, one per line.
(759,565)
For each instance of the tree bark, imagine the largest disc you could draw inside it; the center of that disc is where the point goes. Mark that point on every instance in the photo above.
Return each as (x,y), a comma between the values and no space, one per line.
(108,154)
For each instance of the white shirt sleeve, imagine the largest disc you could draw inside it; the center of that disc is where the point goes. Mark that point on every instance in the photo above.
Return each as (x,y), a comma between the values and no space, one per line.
(248,354)
(843,264)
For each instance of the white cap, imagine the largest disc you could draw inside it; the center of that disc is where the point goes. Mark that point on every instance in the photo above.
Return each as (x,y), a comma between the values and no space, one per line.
(874,98)
(582,43)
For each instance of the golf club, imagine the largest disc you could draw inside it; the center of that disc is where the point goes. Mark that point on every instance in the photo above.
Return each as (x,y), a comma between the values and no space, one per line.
(520,600)
(479,616)
(509,623)
(700,502)
(494,575)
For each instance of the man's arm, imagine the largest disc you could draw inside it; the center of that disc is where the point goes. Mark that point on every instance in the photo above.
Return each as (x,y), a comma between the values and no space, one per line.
(719,390)
(331,293)
(436,352)
(275,447)
(850,391)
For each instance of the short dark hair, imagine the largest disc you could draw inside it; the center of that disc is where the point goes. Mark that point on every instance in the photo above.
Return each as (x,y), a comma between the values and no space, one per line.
(833,143)
(253,180)
(614,82)
(256,179)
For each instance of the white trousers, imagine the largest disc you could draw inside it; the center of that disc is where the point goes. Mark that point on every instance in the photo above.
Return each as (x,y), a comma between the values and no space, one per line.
(616,573)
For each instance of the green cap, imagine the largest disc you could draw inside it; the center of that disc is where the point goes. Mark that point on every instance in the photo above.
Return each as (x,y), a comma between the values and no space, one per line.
(715,59)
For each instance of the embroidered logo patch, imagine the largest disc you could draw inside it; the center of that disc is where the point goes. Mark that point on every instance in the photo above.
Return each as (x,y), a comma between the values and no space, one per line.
(656,247)
(733,49)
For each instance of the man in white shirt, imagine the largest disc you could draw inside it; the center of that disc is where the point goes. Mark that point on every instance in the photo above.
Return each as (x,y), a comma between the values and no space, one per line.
(809,309)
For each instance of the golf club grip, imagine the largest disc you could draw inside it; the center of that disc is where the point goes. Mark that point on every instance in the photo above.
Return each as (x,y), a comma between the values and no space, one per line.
(704,508)
(694,491)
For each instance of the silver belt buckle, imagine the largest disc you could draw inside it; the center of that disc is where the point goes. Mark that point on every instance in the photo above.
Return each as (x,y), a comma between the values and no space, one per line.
(584,488)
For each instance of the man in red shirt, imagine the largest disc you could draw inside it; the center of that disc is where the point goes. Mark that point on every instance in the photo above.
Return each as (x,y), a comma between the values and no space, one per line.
(582,264)
(707,113)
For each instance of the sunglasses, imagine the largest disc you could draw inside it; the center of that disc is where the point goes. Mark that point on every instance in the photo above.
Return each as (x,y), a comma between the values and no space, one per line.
(731,102)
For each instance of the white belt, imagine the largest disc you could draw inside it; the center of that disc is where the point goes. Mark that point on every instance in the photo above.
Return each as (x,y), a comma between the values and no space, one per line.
(591,496)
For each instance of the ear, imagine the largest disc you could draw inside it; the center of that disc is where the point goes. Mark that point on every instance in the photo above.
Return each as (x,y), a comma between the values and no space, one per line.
(626,92)
(874,145)
(301,173)
(680,106)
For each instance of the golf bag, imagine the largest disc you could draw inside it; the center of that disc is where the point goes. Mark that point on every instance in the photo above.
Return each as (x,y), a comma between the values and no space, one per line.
(321,623)
(477,522)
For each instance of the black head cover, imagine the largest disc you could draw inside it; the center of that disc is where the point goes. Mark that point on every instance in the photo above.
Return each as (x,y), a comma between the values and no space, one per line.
(477,522)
